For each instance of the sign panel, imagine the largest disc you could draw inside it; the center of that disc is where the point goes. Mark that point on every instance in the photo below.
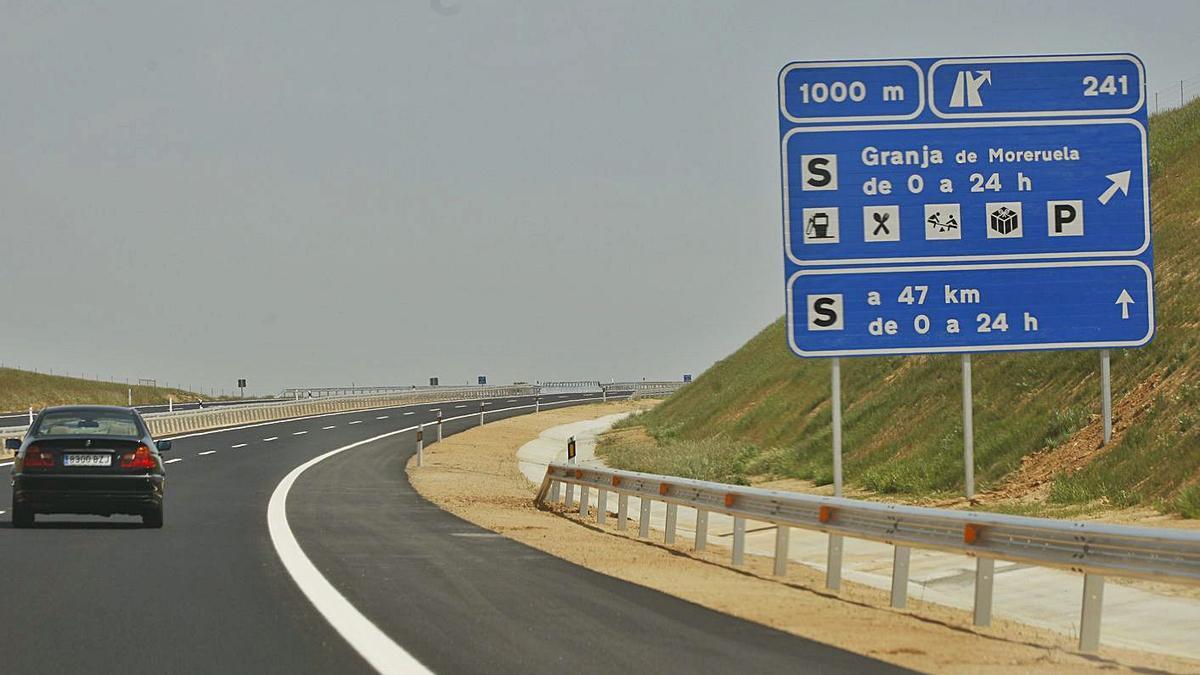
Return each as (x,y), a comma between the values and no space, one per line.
(964,173)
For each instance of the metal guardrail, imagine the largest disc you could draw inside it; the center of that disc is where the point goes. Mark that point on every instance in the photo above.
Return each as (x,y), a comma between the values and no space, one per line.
(643,388)
(1093,549)
(186,421)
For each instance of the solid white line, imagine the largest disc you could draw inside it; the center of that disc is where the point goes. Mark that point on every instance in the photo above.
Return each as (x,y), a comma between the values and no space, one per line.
(380,651)
(239,445)
(355,422)
(206,452)
(384,417)
(172,461)
(365,637)
(299,433)
(273,438)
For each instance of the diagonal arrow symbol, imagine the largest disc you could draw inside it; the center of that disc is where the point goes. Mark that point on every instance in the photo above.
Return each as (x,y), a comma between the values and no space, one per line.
(1120,181)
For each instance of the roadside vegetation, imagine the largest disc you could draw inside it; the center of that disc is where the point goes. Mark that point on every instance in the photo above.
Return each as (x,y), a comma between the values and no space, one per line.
(762,413)
(20,389)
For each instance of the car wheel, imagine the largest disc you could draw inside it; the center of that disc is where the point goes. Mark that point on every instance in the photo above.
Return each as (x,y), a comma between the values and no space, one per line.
(22,516)
(153,518)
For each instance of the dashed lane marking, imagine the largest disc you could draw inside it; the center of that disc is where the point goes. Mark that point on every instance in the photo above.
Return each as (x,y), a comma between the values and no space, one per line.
(299,433)
(172,461)
(331,426)
(273,438)
(356,422)
(382,417)
(239,445)
(206,452)
(409,413)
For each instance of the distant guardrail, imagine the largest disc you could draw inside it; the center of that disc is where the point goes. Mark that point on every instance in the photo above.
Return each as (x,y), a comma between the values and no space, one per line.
(1093,549)
(187,421)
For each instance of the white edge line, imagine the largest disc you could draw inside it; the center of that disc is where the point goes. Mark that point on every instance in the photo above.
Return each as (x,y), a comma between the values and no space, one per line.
(357,630)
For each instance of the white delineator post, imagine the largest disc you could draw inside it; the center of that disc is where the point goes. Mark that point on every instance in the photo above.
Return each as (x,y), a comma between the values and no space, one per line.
(129,396)
(420,444)
(31,414)
(968,428)
(1106,394)
(481,406)
(170,404)
(833,568)
(439,426)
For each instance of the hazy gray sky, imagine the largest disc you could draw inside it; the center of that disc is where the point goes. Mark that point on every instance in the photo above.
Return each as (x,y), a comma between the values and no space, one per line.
(309,193)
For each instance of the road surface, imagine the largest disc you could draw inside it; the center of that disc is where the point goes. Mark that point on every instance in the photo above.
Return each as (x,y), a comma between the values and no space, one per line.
(208,593)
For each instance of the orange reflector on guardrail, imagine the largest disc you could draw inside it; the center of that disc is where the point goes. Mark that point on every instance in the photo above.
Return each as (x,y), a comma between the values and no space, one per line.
(971,533)
(825,513)
(616,481)
(579,473)
(662,489)
(729,500)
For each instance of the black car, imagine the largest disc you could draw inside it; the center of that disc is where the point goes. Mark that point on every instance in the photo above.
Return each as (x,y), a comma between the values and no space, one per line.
(96,460)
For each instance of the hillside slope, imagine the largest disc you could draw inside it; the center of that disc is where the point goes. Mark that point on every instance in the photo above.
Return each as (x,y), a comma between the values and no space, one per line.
(763,412)
(20,389)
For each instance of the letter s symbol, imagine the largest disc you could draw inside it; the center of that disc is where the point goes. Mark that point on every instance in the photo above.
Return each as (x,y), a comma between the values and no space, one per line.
(819,176)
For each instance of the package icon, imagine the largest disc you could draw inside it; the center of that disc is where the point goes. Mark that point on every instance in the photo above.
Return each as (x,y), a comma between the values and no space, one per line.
(1003,220)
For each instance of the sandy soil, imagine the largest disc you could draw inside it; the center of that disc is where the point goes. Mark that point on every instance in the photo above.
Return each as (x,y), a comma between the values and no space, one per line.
(925,637)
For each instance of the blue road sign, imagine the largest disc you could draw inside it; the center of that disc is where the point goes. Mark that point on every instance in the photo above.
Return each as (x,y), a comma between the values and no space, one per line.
(1023,181)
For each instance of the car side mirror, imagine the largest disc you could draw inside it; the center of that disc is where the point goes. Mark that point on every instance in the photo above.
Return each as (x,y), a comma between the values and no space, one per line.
(163,446)
(13,444)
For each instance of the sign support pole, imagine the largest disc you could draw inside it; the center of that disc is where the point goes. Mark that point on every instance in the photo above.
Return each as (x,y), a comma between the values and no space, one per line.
(837,427)
(833,560)
(968,427)
(1106,394)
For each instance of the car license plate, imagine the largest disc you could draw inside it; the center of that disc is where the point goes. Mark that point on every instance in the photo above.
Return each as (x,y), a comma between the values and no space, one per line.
(80,459)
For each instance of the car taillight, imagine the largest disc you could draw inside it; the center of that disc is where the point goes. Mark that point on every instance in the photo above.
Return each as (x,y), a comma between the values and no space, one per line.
(36,458)
(138,459)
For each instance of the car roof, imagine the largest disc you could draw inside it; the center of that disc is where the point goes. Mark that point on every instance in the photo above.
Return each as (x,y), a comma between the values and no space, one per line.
(88,408)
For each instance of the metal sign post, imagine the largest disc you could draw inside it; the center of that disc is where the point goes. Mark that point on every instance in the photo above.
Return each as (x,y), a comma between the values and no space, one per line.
(968,429)
(833,562)
(961,205)
(1106,395)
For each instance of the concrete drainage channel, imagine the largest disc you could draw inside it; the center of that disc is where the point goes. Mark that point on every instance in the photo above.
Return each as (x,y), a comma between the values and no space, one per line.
(1039,557)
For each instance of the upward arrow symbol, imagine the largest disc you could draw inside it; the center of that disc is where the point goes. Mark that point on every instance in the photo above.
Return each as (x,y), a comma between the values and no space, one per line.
(1124,300)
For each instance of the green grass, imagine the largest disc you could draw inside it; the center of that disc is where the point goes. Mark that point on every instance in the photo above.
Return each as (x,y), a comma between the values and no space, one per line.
(768,411)
(20,389)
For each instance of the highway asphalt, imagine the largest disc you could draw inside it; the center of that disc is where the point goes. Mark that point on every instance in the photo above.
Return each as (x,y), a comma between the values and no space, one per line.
(210,594)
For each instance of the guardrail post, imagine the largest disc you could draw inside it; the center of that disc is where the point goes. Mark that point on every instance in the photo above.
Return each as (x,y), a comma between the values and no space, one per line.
(833,568)
(900,560)
(569,500)
(622,511)
(554,490)
(985,570)
(420,444)
(439,433)
(601,506)
(644,518)
(782,537)
(584,493)
(1089,620)
(739,541)
(672,515)
(701,529)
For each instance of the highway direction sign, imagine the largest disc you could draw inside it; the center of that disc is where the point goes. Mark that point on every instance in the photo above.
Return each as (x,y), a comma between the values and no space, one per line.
(1021,180)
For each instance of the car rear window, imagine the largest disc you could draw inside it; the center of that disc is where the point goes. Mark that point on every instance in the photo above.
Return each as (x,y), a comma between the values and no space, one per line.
(88,423)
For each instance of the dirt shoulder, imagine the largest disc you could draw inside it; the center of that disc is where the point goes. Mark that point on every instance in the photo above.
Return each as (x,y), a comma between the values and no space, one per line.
(925,637)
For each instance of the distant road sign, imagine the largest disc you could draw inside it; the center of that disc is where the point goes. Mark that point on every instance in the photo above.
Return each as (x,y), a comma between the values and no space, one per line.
(482,379)
(1022,181)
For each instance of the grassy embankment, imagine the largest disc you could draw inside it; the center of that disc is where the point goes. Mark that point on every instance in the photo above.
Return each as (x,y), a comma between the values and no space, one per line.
(20,389)
(763,413)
